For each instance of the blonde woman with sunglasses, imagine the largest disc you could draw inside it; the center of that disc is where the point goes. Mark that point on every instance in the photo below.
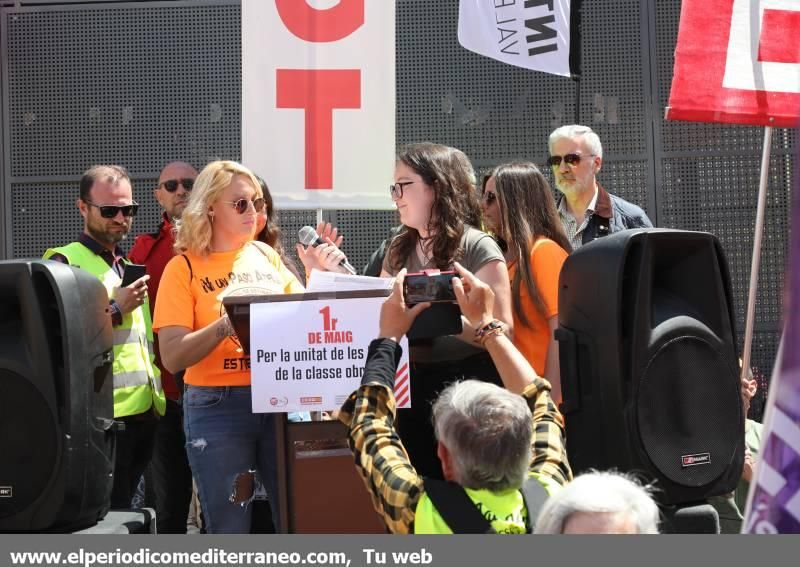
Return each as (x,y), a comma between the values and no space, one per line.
(216,257)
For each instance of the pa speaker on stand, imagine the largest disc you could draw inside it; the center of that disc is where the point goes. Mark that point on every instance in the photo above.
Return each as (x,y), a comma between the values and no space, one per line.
(649,367)
(56,410)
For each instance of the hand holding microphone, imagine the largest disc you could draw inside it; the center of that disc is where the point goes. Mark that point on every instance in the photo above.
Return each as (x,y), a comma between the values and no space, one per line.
(321,254)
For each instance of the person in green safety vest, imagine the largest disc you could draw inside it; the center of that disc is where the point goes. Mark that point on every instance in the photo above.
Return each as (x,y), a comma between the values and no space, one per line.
(107,206)
(490,439)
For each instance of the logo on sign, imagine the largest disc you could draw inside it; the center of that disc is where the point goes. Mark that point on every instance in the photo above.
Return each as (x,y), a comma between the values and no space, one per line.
(696,459)
(278,402)
(310,400)
(6,492)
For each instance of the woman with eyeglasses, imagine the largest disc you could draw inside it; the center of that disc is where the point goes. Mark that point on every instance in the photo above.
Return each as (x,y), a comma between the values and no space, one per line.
(435,194)
(519,208)
(216,257)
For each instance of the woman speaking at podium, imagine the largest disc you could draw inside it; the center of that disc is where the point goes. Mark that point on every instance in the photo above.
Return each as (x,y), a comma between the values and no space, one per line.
(435,194)
(216,258)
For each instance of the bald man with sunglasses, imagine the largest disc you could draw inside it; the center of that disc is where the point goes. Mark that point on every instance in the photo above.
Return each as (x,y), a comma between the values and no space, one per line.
(107,207)
(169,482)
(587,211)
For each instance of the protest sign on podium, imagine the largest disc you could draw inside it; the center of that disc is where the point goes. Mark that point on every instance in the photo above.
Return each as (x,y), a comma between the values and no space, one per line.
(330,331)
(307,350)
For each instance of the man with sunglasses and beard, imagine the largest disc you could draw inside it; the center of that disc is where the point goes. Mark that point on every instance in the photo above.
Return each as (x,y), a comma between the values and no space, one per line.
(107,206)
(169,482)
(587,211)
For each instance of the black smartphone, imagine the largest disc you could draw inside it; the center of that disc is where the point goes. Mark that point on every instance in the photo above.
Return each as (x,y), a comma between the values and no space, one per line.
(132,273)
(430,285)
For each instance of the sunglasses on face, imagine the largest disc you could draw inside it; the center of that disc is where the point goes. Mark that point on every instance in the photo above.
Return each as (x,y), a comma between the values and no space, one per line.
(241,205)
(171,185)
(396,189)
(569,159)
(111,211)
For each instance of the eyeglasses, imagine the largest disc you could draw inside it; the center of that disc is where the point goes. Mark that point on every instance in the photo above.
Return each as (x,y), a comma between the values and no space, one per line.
(396,190)
(111,211)
(241,205)
(489,196)
(171,185)
(569,159)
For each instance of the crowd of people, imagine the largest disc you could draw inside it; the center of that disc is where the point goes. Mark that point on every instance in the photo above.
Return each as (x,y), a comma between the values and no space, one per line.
(484,433)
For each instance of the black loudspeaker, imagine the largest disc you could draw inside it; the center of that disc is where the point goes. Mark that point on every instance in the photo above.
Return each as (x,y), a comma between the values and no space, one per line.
(56,407)
(649,369)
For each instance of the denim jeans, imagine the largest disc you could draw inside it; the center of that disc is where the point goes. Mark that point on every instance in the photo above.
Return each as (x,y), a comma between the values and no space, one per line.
(224,442)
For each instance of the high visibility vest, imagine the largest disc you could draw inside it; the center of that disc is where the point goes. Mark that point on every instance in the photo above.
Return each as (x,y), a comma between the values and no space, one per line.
(137,380)
(505,511)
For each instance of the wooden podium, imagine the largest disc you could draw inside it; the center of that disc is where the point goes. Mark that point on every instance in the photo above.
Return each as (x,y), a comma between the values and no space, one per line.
(319,490)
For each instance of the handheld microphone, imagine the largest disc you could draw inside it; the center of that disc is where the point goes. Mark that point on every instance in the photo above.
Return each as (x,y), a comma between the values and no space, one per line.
(309,237)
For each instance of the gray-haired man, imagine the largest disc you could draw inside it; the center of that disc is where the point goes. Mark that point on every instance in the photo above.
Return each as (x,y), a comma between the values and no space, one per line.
(587,210)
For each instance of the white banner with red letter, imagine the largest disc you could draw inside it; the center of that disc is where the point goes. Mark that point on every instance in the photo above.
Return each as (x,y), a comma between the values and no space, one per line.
(318,100)
(310,355)
(534,34)
(737,61)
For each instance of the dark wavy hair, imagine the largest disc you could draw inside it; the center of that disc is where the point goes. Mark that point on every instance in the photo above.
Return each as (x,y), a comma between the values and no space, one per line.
(271,233)
(455,204)
(527,213)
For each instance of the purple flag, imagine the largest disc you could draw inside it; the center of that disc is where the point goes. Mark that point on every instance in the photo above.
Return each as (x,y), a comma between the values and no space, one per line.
(773,505)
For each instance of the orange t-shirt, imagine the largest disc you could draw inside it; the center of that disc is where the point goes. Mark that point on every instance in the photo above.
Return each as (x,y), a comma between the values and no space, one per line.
(546,260)
(193,299)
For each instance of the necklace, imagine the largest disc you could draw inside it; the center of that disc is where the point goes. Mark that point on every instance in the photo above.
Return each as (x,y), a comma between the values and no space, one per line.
(423,257)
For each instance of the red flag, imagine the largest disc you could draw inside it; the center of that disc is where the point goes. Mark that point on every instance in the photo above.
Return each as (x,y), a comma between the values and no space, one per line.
(737,61)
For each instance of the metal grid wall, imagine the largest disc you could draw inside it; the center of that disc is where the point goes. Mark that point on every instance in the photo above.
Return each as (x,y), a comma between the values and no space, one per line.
(707,178)
(143,83)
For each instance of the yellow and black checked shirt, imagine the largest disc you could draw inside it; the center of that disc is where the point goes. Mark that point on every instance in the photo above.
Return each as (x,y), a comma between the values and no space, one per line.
(382,461)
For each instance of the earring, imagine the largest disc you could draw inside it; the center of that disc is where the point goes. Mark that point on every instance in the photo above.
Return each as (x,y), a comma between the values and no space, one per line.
(211,215)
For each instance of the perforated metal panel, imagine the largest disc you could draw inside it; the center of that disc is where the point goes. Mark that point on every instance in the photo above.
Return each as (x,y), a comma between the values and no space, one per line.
(144,83)
(707,178)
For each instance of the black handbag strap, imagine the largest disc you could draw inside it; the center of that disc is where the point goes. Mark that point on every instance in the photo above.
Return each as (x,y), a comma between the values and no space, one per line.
(456,508)
(534,495)
(463,517)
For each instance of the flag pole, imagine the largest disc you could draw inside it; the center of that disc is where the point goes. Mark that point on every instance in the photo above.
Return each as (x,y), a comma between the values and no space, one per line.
(756,262)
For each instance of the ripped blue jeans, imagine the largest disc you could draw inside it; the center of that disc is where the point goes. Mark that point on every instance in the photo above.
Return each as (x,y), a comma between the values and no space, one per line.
(225,442)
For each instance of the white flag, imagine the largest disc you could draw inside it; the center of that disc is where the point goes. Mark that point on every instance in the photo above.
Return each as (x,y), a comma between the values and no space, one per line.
(533,34)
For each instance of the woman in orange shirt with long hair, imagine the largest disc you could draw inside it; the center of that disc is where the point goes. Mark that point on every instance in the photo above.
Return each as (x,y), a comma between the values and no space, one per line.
(519,208)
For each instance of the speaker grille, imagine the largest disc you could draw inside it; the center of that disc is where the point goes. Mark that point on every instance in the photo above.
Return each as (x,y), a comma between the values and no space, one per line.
(688,417)
(29,444)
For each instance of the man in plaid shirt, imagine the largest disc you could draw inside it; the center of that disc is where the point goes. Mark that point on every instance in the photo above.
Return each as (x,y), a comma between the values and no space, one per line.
(490,439)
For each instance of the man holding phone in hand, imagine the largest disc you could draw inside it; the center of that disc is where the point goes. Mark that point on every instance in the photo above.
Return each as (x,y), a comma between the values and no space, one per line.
(107,206)
(170,479)
(502,449)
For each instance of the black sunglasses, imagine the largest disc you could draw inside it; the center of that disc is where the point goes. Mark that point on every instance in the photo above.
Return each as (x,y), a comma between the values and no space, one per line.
(569,159)
(111,211)
(171,185)
(241,205)
(396,189)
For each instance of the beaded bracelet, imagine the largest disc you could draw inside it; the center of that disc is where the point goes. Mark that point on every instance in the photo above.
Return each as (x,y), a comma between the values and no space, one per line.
(496,332)
(483,330)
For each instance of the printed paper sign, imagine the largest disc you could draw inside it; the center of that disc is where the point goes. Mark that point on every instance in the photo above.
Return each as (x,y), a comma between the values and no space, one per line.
(310,355)
(737,61)
(318,100)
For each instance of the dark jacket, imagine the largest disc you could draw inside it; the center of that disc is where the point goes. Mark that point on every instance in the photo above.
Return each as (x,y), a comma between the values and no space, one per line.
(154,251)
(613,214)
